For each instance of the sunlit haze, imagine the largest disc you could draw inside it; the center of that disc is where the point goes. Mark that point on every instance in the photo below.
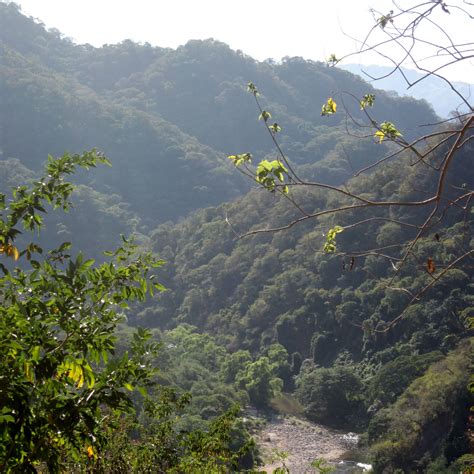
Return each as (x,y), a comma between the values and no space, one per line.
(275,29)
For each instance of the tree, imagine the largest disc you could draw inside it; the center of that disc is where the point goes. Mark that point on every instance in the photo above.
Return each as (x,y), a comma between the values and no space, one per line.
(431,169)
(57,322)
(257,379)
(331,395)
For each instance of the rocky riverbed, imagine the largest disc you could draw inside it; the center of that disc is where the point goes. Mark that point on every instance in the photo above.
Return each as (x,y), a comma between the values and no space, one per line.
(303,442)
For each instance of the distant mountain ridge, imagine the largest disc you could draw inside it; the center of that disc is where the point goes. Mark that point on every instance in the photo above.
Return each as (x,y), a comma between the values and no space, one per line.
(434,90)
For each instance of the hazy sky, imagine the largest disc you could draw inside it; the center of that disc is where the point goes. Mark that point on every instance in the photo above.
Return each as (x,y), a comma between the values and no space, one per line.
(261,28)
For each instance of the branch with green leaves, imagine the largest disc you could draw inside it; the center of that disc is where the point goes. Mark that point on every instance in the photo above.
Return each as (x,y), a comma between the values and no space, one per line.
(58,369)
(28,203)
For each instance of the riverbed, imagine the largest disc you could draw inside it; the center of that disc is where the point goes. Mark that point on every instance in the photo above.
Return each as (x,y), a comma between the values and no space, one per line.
(303,442)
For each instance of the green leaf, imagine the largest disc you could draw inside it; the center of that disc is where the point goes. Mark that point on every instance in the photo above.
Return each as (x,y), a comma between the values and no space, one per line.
(159,287)
(5,415)
(29,372)
(239,159)
(275,128)
(64,246)
(251,88)
(330,245)
(332,60)
(265,116)
(267,171)
(367,101)
(387,131)
(329,108)
(35,353)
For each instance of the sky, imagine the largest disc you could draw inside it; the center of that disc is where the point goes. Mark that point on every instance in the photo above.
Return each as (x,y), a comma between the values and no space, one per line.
(260,28)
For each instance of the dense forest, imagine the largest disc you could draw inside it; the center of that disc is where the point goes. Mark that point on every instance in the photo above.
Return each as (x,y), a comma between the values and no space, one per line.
(357,338)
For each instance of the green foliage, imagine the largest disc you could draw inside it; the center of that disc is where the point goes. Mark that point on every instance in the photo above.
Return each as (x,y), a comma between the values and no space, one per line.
(367,101)
(27,203)
(259,381)
(394,377)
(164,129)
(265,116)
(278,356)
(252,88)
(329,108)
(464,463)
(212,450)
(237,160)
(275,128)
(280,456)
(233,364)
(387,131)
(159,445)
(281,288)
(66,395)
(332,396)
(144,105)
(320,466)
(204,369)
(57,323)
(330,245)
(266,173)
(430,412)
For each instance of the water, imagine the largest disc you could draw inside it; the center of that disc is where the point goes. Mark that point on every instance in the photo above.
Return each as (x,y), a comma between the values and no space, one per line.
(353,461)
(351,467)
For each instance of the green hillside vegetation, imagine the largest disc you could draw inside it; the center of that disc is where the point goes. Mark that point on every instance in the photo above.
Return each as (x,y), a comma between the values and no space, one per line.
(148,152)
(426,421)
(282,288)
(264,320)
(66,394)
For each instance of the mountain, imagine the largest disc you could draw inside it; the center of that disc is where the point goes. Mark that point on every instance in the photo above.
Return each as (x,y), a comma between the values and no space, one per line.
(270,311)
(436,91)
(351,366)
(255,290)
(166,118)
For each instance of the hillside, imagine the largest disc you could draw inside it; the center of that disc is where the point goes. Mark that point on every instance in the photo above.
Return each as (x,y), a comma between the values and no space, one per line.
(282,287)
(353,333)
(166,118)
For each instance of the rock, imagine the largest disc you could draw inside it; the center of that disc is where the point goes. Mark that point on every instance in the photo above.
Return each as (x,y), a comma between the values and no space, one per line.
(304,441)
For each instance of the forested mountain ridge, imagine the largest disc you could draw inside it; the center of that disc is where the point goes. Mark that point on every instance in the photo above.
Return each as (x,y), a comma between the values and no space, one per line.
(283,315)
(136,101)
(34,96)
(201,78)
(167,119)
